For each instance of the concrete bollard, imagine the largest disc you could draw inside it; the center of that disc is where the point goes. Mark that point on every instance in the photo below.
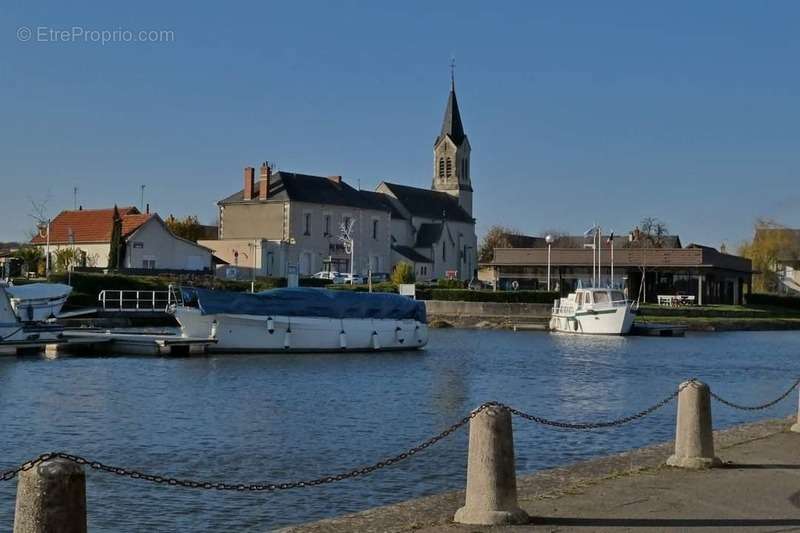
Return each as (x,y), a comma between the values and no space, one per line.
(51,498)
(491,477)
(796,426)
(694,439)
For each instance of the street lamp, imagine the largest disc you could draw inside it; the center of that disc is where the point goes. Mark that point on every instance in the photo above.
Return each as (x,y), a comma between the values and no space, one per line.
(549,240)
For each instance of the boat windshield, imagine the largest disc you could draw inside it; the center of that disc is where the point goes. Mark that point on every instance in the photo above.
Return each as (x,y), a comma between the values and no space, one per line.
(617,296)
(601,298)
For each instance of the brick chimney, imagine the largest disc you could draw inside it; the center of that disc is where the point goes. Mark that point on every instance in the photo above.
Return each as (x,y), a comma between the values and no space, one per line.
(336,179)
(263,185)
(249,182)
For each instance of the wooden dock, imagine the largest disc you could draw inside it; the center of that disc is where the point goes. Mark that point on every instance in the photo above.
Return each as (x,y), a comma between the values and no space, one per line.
(658,330)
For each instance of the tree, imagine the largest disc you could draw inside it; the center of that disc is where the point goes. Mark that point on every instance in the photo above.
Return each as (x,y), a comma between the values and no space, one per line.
(652,232)
(66,258)
(117,249)
(31,257)
(188,228)
(403,273)
(496,237)
(770,241)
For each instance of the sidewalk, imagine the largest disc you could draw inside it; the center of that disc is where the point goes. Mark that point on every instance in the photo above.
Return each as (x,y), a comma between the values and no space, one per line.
(758,489)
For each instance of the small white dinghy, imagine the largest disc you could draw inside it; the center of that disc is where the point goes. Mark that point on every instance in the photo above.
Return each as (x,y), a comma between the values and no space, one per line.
(38,302)
(593,312)
(301,320)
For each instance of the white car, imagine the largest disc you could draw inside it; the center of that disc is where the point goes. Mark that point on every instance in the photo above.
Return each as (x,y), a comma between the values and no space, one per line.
(355,279)
(335,277)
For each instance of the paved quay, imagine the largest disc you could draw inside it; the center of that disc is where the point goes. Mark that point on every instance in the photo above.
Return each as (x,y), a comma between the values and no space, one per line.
(756,489)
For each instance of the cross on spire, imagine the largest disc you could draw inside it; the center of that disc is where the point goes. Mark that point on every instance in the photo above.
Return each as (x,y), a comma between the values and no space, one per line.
(452,72)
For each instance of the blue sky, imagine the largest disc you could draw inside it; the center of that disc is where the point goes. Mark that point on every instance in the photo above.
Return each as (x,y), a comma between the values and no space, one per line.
(577,112)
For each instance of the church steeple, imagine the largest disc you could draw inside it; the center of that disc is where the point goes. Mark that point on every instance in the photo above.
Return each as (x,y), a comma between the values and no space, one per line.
(451,125)
(451,154)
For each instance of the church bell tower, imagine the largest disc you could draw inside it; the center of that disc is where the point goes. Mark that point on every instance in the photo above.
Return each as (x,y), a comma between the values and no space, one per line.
(451,155)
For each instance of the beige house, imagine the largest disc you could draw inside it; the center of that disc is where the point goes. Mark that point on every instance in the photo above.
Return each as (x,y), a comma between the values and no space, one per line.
(286,220)
(148,243)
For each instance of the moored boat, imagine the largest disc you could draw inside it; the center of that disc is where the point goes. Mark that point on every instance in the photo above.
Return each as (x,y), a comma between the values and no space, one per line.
(38,302)
(301,320)
(594,312)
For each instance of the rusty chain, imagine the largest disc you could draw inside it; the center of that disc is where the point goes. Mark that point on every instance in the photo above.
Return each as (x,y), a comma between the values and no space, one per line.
(756,407)
(357,472)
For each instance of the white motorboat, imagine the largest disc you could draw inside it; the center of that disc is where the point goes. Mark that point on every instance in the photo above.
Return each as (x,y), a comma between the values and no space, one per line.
(38,302)
(301,320)
(15,332)
(594,312)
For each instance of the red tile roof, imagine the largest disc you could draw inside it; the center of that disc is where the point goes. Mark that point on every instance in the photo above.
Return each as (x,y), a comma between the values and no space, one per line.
(91,225)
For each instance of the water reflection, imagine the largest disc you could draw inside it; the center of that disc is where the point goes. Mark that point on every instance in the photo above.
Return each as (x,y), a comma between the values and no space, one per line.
(283,417)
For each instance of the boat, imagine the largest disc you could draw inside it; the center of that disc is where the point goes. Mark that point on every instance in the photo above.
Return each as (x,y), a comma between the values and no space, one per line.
(301,320)
(16,332)
(37,302)
(593,311)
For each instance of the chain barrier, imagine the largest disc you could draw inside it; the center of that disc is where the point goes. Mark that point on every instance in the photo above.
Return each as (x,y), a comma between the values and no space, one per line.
(756,407)
(357,472)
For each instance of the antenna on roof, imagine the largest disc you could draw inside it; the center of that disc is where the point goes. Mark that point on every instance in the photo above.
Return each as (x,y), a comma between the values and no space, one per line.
(74,198)
(141,196)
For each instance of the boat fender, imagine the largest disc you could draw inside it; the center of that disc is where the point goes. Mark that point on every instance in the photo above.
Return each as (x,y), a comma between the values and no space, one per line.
(375,344)
(214,326)
(399,333)
(342,340)
(270,325)
(575,325)
(287,340)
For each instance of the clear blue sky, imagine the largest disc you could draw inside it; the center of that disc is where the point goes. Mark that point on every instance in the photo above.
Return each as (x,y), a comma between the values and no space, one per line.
(576,111)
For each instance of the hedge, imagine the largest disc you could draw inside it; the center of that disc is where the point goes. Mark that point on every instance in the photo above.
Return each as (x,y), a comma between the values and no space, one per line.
(464,295)
(790,302)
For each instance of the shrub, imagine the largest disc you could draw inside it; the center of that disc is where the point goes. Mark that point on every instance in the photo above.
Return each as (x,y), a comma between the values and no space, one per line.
(464,295)
(450,284)
(790,302)
(403,273)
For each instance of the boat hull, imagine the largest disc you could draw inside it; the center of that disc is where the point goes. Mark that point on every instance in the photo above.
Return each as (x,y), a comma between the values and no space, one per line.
(259,333)
(612,321)
(38,302)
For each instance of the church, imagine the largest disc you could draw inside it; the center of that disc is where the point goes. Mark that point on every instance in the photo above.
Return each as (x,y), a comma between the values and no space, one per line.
(287,221)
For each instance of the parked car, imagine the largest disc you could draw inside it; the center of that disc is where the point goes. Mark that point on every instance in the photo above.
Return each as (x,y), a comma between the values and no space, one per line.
(355,279)
(336,277)
(476,285)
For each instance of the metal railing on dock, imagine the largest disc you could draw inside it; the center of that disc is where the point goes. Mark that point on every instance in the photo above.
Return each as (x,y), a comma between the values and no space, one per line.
(130,300)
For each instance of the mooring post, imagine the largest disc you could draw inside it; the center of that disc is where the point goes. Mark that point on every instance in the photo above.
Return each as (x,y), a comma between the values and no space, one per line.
(51,497)
(694,437)
(796,426)
(491,478)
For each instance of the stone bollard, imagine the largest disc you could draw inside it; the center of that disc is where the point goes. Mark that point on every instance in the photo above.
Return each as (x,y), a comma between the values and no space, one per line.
(491,477)
(796,426)
(51,498)
(694,439)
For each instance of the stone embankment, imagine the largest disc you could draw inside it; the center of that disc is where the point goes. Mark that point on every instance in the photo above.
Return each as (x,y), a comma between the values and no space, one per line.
(756,489)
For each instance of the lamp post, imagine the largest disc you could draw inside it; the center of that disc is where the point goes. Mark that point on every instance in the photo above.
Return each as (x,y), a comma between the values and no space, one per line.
(549,240)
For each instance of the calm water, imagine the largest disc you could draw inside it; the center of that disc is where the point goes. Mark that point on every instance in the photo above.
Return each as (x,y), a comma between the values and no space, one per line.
(282,418)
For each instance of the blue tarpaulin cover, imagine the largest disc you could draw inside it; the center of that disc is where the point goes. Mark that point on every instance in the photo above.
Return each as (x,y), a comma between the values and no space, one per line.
(308,302)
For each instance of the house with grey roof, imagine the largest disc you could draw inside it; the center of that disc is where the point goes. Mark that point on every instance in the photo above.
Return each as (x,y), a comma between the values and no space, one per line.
(285,219)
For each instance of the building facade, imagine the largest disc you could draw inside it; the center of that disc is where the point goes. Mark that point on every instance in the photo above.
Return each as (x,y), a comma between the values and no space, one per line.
(286,220)
(147,242)
(710,276)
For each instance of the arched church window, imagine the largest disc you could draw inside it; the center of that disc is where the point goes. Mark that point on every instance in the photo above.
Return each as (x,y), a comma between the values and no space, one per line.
(449,167)
(441,167)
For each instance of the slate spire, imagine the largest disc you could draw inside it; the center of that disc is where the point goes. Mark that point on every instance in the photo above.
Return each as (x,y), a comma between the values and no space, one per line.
(451,125)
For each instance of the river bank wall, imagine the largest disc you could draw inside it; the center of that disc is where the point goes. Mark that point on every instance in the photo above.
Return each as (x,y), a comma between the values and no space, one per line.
(492,315)
(585,489)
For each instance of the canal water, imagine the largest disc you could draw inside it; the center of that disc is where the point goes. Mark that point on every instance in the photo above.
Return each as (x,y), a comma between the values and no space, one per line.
(291,417)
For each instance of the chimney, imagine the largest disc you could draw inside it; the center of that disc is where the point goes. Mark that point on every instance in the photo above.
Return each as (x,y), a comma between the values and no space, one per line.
(263,186)
(336,179)
(249,182)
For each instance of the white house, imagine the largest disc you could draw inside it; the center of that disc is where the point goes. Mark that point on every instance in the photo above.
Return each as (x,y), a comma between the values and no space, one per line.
(148,243)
